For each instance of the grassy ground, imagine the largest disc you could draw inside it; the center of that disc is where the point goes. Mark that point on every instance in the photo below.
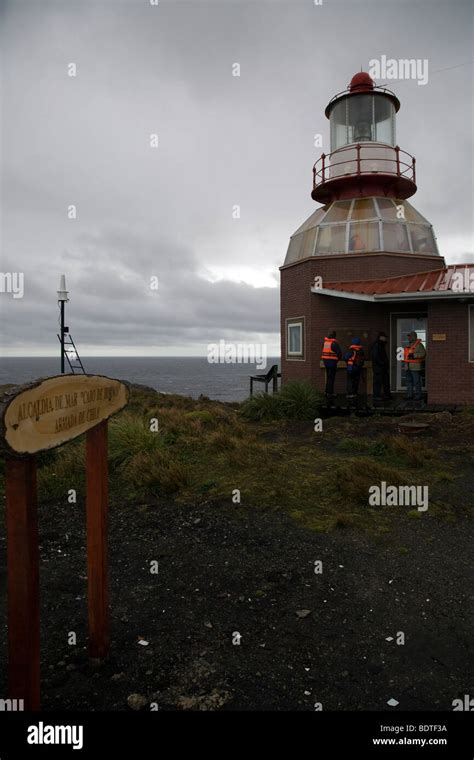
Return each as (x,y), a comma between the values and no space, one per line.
(204,451)
(226,567)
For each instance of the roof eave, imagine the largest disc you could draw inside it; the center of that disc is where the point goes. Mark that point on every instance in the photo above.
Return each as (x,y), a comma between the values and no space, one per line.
(419,295)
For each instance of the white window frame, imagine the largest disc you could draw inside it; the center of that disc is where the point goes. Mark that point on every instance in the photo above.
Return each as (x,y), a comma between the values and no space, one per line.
(295,322)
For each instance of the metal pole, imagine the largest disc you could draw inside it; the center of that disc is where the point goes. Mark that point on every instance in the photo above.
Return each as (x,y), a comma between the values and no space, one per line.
(62,337)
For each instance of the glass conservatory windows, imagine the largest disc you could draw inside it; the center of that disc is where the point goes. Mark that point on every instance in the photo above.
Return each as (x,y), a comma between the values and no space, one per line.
(387,208)
(395,237)
(312,220)
(308,243)
(411,214)
(364,236)
(294,249)
(363,225)
(399,210)
(338,212)
(331,239)
(364,209)
(422,240)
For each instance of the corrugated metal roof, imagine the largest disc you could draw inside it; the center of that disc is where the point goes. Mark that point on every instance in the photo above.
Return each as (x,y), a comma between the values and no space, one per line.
(434,281)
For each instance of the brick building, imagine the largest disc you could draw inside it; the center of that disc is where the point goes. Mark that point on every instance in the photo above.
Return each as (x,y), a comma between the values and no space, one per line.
(366,260)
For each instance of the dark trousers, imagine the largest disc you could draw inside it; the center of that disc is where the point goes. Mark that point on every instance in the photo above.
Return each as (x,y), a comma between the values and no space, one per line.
(381,378)
(353,379)
(413,378)
(330,378)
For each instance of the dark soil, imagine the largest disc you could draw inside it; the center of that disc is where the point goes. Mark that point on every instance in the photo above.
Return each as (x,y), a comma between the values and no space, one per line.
(227,568)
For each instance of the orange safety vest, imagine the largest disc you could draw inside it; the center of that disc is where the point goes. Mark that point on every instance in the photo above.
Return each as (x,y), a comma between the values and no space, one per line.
(327,352)
(408,353)
(350,362)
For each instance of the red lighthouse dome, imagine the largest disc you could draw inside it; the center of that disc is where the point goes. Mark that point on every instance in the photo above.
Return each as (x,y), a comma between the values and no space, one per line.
(361,82)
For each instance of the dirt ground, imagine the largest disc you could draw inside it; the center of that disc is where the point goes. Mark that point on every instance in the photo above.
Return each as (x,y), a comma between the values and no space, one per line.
(228,568)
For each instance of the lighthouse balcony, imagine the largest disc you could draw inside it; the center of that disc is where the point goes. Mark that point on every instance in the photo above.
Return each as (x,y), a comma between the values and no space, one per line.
(362,170)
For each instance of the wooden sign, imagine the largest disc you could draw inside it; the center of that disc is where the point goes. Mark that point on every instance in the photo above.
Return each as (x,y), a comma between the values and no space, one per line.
(52,411)
(438,336)
(34,418)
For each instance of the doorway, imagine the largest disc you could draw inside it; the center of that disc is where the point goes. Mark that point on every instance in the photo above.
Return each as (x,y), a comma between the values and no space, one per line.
(402,324)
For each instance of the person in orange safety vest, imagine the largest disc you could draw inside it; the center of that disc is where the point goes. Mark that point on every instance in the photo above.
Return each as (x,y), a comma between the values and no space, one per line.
(413,361)
(330,355)
(354,358)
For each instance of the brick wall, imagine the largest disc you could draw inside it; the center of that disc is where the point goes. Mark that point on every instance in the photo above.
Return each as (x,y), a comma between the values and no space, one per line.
(450,374)
(323,312)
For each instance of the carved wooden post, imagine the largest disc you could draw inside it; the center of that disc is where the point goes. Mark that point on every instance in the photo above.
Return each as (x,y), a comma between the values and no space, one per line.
(23,582)
(97,517)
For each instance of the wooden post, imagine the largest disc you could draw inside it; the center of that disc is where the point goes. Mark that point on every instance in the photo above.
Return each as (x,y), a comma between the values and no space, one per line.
(97,512)
(23,582)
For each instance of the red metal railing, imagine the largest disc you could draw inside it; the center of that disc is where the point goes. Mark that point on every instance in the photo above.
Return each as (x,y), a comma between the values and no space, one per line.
(401,167)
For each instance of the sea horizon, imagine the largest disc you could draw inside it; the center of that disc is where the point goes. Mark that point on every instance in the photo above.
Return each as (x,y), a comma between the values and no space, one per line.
(185,375)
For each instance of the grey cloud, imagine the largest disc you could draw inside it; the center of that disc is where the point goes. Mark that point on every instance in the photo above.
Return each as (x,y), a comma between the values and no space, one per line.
(223,141)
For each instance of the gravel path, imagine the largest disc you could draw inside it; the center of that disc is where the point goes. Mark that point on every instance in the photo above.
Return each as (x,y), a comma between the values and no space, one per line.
(306,637)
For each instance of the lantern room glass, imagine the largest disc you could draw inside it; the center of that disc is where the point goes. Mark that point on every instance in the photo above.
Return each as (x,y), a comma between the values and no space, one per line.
(363,225)
(368,117)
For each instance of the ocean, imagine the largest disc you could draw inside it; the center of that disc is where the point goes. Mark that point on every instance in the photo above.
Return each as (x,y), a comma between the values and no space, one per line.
(188,376)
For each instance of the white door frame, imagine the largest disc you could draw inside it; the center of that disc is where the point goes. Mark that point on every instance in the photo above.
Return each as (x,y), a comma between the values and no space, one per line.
(396,342)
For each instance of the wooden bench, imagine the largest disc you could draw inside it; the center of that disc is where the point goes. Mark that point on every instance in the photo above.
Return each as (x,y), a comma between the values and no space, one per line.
(272,375)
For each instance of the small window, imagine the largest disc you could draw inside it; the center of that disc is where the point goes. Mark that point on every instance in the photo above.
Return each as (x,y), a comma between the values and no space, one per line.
(395,237)
(331,239)
(363,209)
(308,243)
(295,338)
(422,239)
(471,333)
(338,212)
(294,247)
(364,236)
(388,209)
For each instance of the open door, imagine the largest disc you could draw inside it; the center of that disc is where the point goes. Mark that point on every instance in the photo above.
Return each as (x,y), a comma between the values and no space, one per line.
(402,324)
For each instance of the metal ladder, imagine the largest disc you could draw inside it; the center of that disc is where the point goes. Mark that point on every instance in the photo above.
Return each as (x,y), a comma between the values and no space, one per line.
(72,355)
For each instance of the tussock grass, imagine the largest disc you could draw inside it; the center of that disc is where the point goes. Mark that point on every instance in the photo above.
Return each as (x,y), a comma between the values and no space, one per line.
(395,449)
(355,476)
(295,401)
(412,453)
(61,469)
(129,435)
(261,407)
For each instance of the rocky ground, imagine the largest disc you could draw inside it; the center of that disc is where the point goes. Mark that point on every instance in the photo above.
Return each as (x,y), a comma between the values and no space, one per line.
(227,569)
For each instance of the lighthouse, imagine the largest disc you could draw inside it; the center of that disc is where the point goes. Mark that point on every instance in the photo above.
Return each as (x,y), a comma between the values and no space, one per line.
(367,260)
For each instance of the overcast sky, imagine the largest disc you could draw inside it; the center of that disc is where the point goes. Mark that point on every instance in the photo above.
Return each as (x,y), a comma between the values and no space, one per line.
(167,212)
